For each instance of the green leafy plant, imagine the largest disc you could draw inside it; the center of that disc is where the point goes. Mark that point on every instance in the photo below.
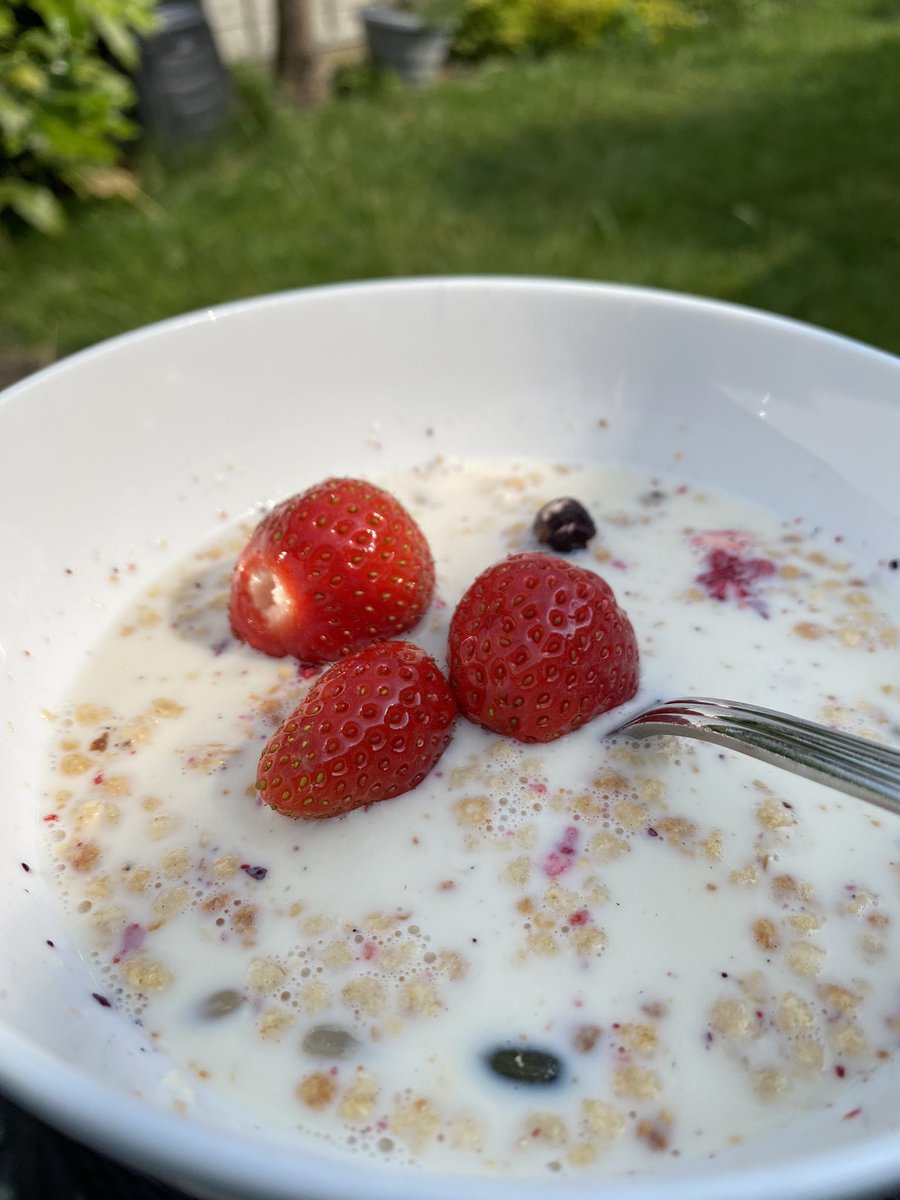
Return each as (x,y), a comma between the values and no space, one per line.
(495,27)
(574,24)
(436,12)
(64,102)
(512,27)
(364,81)
(540,26)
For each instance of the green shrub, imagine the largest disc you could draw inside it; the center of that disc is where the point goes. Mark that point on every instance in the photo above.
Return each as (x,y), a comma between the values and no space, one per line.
(63,104)
(514,27)
(573,24)
(661,17)
(538,26)
(720,10)
(258,102)
(494,27)
(364,81)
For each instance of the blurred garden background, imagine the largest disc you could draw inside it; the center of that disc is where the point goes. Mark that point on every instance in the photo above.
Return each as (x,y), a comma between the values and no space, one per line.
(747,150)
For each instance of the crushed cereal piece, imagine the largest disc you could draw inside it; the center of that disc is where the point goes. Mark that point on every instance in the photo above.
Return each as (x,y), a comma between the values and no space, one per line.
(316,1090)
(733,1019)
(84,856)
(415,1123)
(145,975)
(794,1015)
(314,997)
(636,1083)
(655,1134)
(75,764)
(466,1134)
(366,995)
(605,847)
(273,1023)
(582,1154)
(586,1038)
(764,934)
(638,1037)
(419,998)
(546,1127)
(769,1083)
(601,1121)
(806,959)
(265,975)
(359,1099)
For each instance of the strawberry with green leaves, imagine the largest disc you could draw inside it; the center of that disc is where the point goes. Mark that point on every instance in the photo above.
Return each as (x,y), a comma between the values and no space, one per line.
(538,647)
(371,727)
(329,571)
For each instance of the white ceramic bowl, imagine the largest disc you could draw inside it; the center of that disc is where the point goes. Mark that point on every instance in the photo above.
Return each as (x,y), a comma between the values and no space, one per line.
(128,452)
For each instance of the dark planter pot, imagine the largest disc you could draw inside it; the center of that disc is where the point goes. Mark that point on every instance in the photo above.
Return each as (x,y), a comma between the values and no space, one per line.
(404,43)
(184,90)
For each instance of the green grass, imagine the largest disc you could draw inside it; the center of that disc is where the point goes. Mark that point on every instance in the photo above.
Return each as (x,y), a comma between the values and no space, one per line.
(759,165)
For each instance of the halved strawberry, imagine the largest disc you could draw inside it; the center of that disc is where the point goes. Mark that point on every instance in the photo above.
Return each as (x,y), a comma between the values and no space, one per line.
(370,728)
(329,571)
(538,647)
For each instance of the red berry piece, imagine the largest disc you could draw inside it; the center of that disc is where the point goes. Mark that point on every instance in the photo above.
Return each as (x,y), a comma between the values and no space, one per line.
(372,727)
(330,571)
(538,647)
(732,577)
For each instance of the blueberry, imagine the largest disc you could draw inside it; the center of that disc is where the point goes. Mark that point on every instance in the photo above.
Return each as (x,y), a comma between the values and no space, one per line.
(564,525)
(524,1065)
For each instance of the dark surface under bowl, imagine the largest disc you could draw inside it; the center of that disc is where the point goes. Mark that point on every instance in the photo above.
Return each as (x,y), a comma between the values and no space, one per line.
(39,1163)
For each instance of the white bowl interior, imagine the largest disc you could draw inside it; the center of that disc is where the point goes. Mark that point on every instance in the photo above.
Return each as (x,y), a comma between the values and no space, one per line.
(115,463)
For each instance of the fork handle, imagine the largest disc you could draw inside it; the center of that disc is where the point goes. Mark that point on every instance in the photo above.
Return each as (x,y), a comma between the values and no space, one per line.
(839,760)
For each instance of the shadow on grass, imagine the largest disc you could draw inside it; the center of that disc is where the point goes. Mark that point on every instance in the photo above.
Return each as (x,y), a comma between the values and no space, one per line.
(790,195)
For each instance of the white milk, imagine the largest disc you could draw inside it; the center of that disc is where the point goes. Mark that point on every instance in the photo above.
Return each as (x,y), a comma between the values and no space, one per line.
(706,946)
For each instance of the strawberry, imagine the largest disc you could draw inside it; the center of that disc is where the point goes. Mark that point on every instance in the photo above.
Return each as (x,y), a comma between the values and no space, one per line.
(371,727)
(329,571)
(538,647)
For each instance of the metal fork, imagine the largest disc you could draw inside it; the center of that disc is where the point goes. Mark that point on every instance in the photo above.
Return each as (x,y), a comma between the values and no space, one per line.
(839,760)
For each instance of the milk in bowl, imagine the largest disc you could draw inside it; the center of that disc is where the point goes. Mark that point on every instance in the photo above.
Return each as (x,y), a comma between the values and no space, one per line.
(586,958)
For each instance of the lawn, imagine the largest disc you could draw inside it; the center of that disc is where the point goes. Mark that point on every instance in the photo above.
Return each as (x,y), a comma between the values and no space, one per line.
(758,164)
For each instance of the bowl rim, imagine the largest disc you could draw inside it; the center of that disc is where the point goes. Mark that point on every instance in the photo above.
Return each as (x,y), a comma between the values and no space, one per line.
(190,1154)
(644,294)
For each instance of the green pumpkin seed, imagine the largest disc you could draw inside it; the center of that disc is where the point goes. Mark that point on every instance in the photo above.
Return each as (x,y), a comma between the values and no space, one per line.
(220,1004)
(328,1041)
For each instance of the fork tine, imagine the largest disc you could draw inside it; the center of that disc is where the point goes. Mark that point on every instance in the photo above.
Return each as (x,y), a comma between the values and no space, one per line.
(794,729)
(864,747)
(839,760)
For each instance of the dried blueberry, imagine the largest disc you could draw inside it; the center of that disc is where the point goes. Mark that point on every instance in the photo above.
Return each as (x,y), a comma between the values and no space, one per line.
(523,1065)
(653,497)
(564,525)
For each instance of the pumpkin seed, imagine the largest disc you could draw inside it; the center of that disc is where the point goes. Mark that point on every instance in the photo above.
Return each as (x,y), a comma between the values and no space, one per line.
(220,1004)
(329,1041)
